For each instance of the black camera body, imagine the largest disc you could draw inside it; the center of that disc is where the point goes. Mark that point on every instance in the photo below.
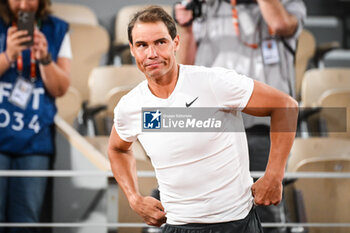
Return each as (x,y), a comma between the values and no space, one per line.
(196,5)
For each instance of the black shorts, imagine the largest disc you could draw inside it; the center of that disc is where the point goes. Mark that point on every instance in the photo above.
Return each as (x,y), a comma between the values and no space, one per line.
(250,224)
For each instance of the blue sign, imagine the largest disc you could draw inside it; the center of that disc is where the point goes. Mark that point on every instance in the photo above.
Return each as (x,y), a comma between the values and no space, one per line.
(152,119)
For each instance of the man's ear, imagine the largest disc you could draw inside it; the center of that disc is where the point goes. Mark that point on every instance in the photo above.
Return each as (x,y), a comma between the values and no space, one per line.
(131,48)
(176,43)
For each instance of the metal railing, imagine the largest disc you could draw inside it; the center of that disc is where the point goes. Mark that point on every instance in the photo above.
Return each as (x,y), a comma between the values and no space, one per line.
(69,173)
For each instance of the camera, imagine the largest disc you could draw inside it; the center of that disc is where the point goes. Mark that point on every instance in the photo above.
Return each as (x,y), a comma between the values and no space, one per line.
(196,6)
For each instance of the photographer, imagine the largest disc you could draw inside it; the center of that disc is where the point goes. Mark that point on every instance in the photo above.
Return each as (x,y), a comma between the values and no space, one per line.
(256,38)
(34,69)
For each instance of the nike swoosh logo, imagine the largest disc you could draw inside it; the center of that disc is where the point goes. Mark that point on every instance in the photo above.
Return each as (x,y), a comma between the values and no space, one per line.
(187,105)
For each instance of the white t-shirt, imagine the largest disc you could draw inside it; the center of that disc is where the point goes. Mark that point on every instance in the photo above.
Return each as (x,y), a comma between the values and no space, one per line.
(202,177)
(65,49)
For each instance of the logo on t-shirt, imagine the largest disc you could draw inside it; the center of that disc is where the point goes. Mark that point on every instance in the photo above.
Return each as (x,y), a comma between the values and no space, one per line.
(189,104)
(152,119)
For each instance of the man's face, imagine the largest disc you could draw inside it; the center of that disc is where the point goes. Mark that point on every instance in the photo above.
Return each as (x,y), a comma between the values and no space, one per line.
(23,5)
(153,49)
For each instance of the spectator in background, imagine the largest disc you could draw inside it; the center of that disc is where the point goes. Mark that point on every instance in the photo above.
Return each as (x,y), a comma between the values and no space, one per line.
(30,79)
(256,38)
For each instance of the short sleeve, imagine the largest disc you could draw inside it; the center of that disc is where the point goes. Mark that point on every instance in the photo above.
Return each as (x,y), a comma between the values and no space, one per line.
(65,49)
(230,88)
(122,122)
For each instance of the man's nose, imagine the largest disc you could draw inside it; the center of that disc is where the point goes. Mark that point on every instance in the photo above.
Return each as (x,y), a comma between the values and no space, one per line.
(152,52)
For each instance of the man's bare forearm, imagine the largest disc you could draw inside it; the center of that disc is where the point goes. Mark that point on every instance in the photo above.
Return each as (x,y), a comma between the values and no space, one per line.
(188,46)
(283,127)
(283,110)
(123,165)
(278,18)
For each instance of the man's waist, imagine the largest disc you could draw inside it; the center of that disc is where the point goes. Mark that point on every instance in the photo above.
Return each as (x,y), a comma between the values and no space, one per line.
(220,215)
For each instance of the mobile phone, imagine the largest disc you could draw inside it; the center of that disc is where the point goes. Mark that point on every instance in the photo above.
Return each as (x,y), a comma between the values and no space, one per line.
(26,21)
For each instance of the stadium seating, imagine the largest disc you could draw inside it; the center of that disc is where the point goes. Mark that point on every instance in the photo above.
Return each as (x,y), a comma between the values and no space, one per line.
(339,58)
(69,105)
(74,13)
(326,199)
(107,84)
(317,81)
(338,116)
(315,196)
(305,51)
(305,148)
(104,78)
(89,44)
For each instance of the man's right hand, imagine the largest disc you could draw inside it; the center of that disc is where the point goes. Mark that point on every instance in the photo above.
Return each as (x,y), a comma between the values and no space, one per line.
(182,15)
(150,209)
(13,42)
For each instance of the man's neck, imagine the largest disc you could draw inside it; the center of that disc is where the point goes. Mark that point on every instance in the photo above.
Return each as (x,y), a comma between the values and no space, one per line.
(162,87)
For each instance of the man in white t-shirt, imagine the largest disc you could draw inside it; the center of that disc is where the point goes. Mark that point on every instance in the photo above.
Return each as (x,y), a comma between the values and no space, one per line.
(203,178)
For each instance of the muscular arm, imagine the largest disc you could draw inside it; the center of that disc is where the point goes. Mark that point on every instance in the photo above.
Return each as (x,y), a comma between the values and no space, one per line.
(123,165)
(276,16)
(283,109)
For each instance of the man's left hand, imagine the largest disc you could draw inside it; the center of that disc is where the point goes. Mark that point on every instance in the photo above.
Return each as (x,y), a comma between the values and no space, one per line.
(267,191)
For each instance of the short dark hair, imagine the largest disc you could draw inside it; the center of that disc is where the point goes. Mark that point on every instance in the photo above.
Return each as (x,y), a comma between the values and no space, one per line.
(152,14)
(7,16)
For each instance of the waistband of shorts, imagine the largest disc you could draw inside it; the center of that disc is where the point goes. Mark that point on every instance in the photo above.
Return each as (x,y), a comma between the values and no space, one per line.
(200,225)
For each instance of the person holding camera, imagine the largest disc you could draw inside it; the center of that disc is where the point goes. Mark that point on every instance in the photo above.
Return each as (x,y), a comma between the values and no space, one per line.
(35,56)
(256,38)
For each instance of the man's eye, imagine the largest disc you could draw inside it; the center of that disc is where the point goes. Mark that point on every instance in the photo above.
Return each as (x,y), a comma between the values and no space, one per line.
(141,45)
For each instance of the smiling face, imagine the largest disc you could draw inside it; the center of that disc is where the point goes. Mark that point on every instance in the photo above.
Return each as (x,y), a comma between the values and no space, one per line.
(153,49)
(23,5)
